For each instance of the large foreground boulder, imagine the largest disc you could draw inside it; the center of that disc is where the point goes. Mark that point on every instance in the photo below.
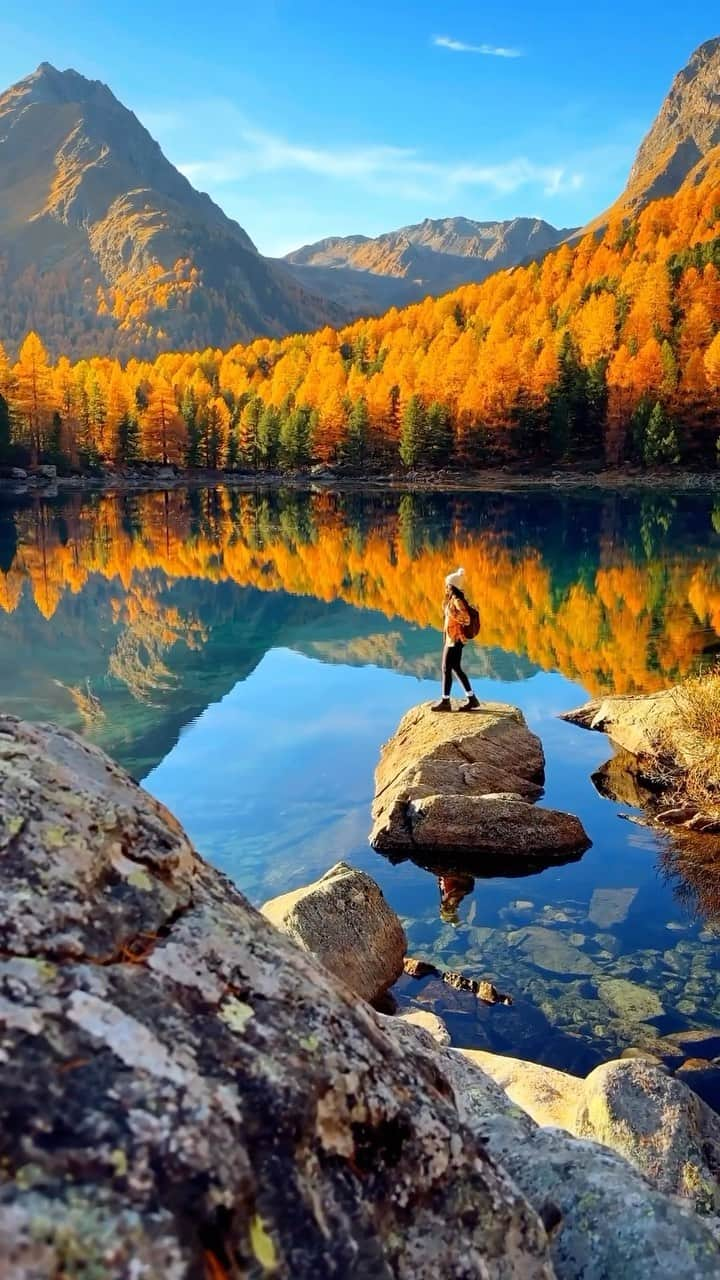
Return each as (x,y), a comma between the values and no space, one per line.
(467,782)
(184,1093)
(606,1222)
(344,920)
(632,1106)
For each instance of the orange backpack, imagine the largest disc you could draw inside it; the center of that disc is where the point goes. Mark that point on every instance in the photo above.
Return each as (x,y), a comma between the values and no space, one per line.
(472,628)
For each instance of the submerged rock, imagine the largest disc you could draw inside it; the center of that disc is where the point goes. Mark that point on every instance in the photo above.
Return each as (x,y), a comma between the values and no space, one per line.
(629,1000)
(549,950)
(610,906)
(184,1091)
(345,921)
(482,988)
(467,783)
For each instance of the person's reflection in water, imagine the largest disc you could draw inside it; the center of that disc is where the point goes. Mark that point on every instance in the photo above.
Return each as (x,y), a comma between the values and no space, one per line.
(453,888)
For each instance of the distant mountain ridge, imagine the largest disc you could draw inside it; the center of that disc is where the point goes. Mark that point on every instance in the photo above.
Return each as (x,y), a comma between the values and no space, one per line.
(105,246)
(428,257)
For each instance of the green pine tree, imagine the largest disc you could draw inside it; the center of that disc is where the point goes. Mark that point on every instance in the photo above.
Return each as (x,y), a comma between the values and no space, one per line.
(268,437)
(233,450)
(128,440)
(438,434)
(569,419)
(413,433)
(529,427)
(213,438)
(357,437)
(250,420)
(189,411)
(660,444)
(296,438)
(54,452)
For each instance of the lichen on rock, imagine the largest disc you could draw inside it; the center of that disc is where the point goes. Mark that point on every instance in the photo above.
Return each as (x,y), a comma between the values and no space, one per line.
(184,1092)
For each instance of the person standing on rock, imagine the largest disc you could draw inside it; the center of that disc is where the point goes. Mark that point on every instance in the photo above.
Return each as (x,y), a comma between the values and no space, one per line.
(460,624)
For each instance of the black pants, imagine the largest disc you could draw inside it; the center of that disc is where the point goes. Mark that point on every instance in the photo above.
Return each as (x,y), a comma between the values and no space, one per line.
(452,666)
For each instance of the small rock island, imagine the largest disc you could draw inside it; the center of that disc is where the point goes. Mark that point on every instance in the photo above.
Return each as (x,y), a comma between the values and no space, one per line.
(469,782)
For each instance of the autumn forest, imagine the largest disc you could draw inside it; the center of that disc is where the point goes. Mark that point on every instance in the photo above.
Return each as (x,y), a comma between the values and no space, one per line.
(606,351)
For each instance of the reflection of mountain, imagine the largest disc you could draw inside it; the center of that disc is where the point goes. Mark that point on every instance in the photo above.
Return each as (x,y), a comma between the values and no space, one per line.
(132,667)
(149,685)
(121,606)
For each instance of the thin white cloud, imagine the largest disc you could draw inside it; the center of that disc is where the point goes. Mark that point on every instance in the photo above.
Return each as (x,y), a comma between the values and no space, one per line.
(380,169)
(488,50)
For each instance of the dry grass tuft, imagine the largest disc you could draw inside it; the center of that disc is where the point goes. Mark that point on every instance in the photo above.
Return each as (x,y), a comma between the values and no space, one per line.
(692,736)
(698,701)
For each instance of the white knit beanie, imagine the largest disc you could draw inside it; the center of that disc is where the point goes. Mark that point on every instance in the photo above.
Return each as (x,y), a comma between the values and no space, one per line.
(456,579)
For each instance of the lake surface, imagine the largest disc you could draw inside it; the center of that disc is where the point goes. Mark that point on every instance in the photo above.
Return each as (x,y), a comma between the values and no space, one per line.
(245,655)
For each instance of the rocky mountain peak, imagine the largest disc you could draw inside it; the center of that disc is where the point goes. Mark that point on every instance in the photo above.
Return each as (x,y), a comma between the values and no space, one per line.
(109,247)
(685,130)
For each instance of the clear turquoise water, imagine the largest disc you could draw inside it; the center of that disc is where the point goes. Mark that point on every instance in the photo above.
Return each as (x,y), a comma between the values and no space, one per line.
(256,713)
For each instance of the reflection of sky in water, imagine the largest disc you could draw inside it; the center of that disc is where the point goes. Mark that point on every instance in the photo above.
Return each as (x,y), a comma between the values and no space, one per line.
(274,784)
(263,779)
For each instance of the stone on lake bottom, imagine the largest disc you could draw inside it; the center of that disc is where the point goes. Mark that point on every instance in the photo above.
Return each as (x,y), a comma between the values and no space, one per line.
(629,1000)
(547,949)
(610,906)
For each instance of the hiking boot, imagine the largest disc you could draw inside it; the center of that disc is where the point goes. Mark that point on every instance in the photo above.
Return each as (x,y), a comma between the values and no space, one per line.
(443,705)
(472,704)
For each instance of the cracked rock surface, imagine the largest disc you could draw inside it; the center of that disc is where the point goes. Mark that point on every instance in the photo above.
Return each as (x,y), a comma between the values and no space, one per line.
(468,783)
(186,1093)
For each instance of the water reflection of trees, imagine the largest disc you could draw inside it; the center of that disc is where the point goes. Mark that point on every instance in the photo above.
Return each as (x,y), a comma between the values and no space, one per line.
(616,592)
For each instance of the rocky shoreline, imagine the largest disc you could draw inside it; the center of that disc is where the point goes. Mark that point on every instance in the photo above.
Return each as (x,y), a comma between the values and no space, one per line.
(189,1090)
(657,756)
(44,480)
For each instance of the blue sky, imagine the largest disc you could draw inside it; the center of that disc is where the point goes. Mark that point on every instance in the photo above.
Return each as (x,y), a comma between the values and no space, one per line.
(304,118)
